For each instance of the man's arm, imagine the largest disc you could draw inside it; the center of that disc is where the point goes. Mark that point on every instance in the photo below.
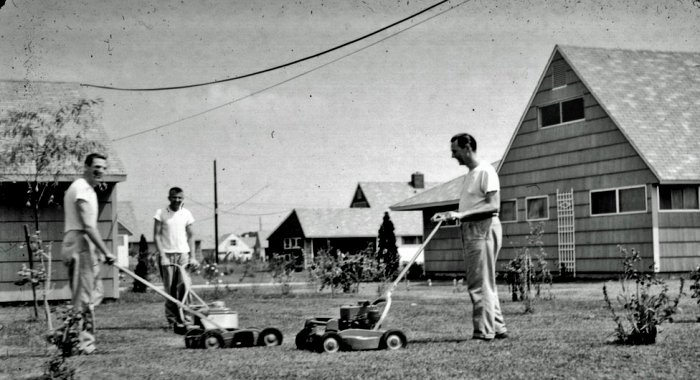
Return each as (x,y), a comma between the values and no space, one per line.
(92,232)
(157,229)
(190,242)
(492,205)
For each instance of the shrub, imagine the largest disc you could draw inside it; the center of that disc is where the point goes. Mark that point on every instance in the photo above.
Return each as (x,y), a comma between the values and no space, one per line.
(281,268)
(644,305)
(695,286)
(529,269)
(340,271)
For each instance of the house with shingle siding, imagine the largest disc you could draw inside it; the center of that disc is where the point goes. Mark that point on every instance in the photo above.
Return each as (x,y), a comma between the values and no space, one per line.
(606,153)
(306,231)
(14,214)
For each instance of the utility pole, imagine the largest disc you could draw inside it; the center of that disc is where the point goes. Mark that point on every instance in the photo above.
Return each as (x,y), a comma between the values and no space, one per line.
(216,220)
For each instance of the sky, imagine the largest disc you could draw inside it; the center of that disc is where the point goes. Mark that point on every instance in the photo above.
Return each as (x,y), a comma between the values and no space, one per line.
(305,135)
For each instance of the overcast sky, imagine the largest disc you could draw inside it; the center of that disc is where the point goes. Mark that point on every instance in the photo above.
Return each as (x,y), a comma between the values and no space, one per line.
(303,136)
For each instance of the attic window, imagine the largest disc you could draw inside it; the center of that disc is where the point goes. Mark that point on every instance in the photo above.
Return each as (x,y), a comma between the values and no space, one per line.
(561,112)
(558,74)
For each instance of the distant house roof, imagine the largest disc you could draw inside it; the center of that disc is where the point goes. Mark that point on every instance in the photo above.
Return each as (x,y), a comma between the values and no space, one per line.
(126,218)
(249,240)
(354,222)
(447,193)
(30,95)
(381,195)
(653,97)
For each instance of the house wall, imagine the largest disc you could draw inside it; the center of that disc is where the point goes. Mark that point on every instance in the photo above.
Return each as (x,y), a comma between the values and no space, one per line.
(583,156)
(13,252)
(443,253)
(288,229)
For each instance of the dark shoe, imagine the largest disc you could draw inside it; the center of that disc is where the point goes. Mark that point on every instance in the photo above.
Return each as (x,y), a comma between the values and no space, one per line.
(481,339)
(501,335)
(179,328)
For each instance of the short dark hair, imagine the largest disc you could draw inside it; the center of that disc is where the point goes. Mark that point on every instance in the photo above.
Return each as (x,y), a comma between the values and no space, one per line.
(90,157)
(464,139)
(175,190)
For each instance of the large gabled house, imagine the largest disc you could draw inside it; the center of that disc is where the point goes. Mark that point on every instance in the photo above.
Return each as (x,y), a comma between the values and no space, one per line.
(306,231)
(606,154)
(19,96)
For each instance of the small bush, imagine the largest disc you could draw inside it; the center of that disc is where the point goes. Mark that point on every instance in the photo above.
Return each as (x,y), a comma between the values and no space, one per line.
(645,305)
(281,268)
(695,286)
(340,271)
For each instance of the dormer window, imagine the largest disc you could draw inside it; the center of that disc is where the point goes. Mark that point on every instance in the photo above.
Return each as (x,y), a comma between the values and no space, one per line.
(561,112)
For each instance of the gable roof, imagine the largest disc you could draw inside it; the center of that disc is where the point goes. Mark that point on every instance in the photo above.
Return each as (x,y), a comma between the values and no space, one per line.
(653,97)
(354,222)
(24,95)
(381,195)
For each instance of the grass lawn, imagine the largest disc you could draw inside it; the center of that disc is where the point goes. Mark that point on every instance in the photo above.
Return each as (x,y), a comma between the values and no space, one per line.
(564,338)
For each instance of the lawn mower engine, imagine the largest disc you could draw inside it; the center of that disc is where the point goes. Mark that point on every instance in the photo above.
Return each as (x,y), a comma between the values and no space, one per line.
(360,316)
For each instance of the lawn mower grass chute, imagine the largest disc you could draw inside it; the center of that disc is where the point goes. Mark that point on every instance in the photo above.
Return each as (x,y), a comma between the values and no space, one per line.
(359,327)
(213,325)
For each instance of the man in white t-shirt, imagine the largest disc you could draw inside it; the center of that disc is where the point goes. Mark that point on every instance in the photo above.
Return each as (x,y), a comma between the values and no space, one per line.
(80,239)
(174,238)
(481,231)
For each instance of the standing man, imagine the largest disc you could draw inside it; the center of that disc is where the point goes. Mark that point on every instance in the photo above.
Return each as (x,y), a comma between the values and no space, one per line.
(479,204)
(80,238)
(172,233)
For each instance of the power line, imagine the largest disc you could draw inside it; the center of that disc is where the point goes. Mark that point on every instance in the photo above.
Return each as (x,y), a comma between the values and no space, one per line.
(271,68)
(289,79)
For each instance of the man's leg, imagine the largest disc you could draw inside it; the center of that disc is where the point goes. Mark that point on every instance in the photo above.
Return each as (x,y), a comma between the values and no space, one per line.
(494,247)
(167,274)
(478,287)
(183,283)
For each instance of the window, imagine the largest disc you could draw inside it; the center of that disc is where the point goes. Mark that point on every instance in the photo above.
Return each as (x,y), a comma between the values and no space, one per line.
(232,243)
(563,112)
(619,201)
(509,211)
(537,208)
(290,243)
(678,197)
(411,240)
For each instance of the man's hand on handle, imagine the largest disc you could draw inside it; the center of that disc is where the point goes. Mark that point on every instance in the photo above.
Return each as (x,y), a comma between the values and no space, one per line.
(444,216)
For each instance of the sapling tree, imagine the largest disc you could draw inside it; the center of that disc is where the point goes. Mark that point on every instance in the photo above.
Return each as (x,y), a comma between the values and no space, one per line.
(39,145)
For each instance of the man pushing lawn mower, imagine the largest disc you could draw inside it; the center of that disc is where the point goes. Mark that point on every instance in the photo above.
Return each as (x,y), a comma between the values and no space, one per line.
(174,239)
(481,231)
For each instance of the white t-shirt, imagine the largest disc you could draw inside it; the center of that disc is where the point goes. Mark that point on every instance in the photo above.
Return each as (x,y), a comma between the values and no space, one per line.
(477,183)
(80,189)
(173,229)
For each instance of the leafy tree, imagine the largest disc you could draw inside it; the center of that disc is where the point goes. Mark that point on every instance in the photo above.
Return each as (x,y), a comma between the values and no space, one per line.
(39,145)
(388,251)
(142,269)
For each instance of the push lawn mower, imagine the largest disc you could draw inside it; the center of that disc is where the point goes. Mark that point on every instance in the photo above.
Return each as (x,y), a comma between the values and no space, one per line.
(359,326)
(214,325)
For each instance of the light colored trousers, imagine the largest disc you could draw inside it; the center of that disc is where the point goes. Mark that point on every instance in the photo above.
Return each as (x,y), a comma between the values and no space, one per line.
(481,242)
(176,282)
(78,253)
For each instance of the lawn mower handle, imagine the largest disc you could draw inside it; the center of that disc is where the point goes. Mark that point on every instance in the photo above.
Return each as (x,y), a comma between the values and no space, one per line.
(166,295)
(387,296)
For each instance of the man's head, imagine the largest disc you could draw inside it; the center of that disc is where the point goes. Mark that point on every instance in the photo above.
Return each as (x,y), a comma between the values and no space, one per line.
(463,146)
(95,167)
(176,197)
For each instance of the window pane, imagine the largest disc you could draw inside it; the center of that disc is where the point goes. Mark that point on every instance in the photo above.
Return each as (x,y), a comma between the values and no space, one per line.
(508,212)
(678,197)
(632,200)
(690,198)
(572,110)
(537,208)
(603,202)
(549,115)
